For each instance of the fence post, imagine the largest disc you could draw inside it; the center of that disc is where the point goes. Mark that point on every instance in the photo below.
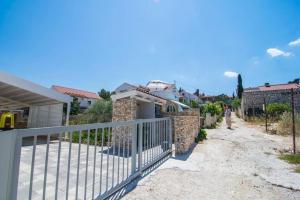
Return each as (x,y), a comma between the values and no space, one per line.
(133,149)
(293,119)
(170,134)
(10,150)
(140,148)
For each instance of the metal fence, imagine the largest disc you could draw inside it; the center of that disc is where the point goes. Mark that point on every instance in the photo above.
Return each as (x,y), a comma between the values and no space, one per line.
(80,162)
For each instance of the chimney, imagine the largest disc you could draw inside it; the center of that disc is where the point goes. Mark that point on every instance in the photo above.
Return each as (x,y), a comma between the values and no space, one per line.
(267,84)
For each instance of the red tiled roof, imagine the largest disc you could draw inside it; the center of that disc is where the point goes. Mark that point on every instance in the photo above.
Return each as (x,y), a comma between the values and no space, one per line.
(147,91)
(279,87)
(75,92)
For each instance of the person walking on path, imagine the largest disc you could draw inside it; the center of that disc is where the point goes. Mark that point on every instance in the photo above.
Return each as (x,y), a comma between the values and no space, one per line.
(228,117)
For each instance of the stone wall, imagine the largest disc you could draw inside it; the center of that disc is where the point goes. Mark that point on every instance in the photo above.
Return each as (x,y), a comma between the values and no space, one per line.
(124,109)
(210,120)
(254,100)
(185,127)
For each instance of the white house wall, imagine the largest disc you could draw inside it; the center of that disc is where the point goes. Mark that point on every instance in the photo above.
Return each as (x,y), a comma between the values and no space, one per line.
(84,102)
(45,116)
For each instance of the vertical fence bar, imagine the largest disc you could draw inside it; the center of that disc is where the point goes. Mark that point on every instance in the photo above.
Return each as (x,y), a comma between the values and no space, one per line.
(78,165)
(94,167)
(165,135)
(133,150)
(46,167)
(58,165)
(101,163)
(128,135)
(140,150)
(113,157)
(152,141)
(170,134)
(32,166)
(87,163)
(69,164)
(16,164)
(123,152)
(147,147)
(118,179)
(151,133)
(107,166)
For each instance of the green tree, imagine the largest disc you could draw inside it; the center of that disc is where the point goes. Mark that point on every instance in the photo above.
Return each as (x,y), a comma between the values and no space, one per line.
(197,92)
(75,106)
(236,103)
(100,111)
(104,94)
(277,109)
(194,104)
(212,108)
(240,88)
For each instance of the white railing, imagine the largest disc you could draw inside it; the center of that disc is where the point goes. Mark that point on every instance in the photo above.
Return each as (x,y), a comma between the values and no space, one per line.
(90,161)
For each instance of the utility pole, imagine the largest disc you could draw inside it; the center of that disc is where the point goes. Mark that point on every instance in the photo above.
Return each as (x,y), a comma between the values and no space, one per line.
(266,113)
(293,118)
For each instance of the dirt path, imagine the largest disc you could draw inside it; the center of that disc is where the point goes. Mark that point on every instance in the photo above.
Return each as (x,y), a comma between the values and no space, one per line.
(232,164)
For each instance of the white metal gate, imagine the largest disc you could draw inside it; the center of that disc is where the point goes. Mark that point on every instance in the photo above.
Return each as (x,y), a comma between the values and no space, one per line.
(79,162)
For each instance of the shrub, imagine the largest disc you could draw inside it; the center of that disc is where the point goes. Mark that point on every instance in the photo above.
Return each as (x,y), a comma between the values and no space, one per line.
(236,103)
(194,104)
(277,109)
(221,104)
(84,136)
(212,108)
(285,124)
(201,136)
(100,111)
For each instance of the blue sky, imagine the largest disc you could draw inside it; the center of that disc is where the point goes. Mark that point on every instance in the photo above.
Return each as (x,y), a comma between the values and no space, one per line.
(101,44)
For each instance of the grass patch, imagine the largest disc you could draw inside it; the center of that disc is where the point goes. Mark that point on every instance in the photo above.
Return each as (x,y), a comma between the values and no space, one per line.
(290,158)
(297,170)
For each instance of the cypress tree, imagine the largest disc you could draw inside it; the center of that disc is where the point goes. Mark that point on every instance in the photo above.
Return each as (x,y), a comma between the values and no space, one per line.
(240,88)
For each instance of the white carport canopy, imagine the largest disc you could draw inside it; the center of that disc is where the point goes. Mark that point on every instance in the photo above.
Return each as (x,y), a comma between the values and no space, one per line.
(17,93)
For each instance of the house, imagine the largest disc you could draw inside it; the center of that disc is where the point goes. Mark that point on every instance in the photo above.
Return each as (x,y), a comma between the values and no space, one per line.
(254,98)
(163,89)
(32,105)
(85,98)
(132,102)
(187,97)
(139,102)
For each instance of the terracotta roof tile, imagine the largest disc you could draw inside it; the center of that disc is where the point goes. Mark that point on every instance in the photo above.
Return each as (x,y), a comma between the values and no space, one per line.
(75,92)
(279,87)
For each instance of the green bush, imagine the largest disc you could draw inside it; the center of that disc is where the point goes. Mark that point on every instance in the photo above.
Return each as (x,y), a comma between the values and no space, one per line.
(99,112)
(194,104)
(277,109)
(84,136)
(213,109)
(201,136)
(236,103)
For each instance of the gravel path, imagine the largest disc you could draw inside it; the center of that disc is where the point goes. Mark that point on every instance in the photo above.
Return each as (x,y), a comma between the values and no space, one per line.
(232,164)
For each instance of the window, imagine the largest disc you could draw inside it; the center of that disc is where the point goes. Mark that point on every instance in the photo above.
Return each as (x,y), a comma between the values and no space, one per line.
(158,111)
(89,102)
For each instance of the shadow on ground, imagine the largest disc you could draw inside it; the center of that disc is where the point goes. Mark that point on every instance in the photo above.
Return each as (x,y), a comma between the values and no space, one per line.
(185,156)
(121,193)
(131,186)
